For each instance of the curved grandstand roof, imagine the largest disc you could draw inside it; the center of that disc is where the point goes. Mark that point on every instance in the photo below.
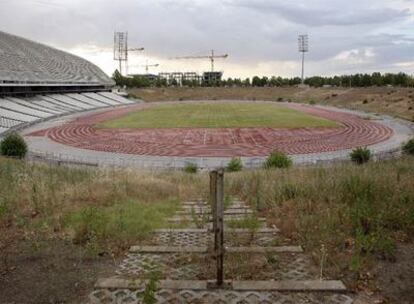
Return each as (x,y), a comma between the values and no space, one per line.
(26,62)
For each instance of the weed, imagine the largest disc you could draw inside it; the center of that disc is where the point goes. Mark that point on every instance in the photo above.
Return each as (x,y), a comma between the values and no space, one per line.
(151,288)
(290,191)
(234,165)
(277,160)
(228,200)
(360,155)
(191,168)
(408,147)
(250,222)
(272,259)
(324,254)
(199,219)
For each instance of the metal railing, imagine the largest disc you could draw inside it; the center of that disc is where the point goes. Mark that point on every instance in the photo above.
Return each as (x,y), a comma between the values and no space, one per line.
(173,163)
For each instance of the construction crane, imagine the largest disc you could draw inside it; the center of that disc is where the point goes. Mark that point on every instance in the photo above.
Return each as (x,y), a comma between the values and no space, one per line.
(146,65)
(121,49)
(212,57)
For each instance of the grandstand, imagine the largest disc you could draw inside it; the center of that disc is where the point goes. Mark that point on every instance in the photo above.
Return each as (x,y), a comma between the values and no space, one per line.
(38,82)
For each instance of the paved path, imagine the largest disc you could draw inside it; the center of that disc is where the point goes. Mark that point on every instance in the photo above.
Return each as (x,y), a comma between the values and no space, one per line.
(75,139)
(261,269)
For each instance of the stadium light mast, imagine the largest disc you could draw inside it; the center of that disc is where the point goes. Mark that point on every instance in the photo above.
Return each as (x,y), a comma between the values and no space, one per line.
(121,50)
(303,41)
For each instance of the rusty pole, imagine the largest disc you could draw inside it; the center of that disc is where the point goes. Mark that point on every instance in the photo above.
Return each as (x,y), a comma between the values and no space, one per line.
(219,232)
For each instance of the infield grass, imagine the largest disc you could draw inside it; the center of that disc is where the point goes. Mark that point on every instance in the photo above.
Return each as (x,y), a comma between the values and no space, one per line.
(217,115)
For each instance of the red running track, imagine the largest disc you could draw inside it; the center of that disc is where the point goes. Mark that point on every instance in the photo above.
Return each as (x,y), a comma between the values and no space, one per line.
(224,142)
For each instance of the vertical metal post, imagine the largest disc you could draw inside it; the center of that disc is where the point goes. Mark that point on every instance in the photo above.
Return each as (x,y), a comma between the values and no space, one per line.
(213,199)
(303,67)
(217,205)
(219,232)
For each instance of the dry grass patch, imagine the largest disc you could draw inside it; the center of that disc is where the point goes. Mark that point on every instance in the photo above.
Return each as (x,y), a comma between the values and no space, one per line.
(355,212)
(394,101)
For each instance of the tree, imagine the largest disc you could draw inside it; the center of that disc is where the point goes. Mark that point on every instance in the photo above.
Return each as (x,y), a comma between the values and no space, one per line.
(118,78)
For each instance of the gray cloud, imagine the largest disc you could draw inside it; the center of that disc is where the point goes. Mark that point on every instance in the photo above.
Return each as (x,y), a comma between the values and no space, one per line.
(338,13)
(254,33)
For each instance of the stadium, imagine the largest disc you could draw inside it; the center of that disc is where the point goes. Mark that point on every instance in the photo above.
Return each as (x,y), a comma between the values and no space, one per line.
(109,204)
(40,85)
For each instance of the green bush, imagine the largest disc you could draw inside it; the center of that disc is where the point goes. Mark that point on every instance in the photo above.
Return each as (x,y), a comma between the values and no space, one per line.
(360,155)
(234,165)
(312,102)
(13,145)
(408,148)
(191,168)
(277,160)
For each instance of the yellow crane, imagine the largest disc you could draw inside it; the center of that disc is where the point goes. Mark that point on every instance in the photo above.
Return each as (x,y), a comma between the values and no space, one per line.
(212,57)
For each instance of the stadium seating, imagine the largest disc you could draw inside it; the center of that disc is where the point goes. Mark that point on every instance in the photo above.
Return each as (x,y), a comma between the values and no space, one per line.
(64,83)
(15,112)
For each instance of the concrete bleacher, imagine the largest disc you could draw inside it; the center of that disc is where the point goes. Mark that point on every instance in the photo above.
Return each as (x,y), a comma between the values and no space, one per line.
(38,82)
(17,112)
(102,99)
(32,105)
(13,106)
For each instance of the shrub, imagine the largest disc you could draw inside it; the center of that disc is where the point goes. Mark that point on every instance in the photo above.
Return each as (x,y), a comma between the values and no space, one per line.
(13,145)
(191,168)
(234,165)
(277,160)
(360,155)
(408,148)
(312,102)
(365,101)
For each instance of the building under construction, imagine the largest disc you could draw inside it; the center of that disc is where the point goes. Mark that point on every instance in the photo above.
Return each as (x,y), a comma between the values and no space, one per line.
(191,78)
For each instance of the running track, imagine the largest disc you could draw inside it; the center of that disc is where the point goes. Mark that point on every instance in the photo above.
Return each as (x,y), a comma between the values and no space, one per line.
(228,142)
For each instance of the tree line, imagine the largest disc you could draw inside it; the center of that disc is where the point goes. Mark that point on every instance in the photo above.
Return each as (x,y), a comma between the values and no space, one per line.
(355,80)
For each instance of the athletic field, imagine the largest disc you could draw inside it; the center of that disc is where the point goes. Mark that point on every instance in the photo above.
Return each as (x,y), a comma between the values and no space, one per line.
(216,115)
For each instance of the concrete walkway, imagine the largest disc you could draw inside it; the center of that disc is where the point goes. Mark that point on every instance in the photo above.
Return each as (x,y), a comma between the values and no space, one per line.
(256,269)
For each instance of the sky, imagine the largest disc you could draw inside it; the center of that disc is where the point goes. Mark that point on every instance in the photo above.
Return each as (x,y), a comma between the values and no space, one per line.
(260,36)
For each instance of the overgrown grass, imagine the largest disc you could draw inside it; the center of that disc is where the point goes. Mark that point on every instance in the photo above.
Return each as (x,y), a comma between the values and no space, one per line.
(126,221)
(355,212)
(250,222)
(107,208)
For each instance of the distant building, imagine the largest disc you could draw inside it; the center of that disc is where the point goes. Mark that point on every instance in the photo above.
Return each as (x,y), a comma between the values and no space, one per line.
(149,77)
(212,77)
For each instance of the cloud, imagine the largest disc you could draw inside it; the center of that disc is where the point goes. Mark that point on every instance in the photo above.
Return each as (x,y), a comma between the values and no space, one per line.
(352,13)
(260,36)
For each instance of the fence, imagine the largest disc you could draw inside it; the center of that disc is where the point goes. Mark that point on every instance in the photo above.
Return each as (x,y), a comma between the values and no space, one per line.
(173,163)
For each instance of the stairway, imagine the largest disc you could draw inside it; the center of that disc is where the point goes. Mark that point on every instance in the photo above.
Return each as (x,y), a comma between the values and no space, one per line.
(259,265)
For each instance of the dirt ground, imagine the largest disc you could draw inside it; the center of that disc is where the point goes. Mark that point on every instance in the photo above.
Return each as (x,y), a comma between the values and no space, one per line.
(53,272)
(394,101)
(396,279)
(60,272)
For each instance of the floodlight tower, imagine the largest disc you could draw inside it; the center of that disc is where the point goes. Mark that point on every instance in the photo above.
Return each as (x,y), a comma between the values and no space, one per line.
(303,41)
(121,49)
